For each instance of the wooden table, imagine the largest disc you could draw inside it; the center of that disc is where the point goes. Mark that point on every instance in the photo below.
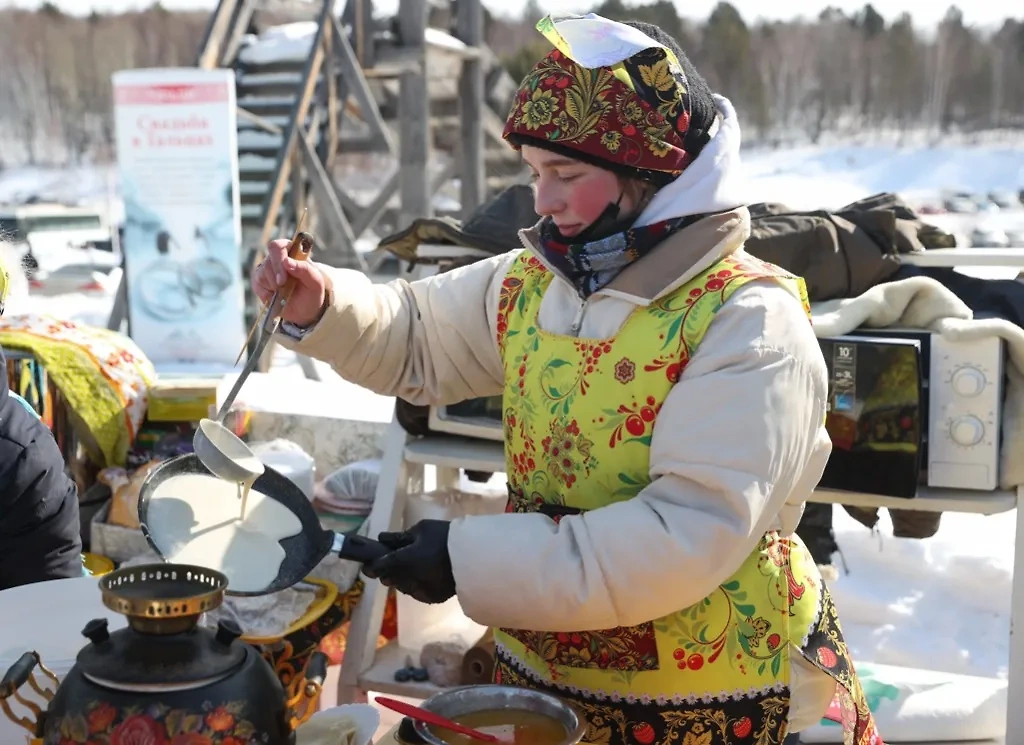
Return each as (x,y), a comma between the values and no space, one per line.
(391,737)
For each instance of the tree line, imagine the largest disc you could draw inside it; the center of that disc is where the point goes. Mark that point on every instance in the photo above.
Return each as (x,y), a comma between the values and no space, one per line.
(840,73)
(56,103)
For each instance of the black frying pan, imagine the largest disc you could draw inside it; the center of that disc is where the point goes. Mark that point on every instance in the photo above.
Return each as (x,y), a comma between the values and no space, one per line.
(302,552)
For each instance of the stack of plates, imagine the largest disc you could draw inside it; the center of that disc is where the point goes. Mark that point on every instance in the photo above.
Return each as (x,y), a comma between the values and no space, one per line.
(347,507)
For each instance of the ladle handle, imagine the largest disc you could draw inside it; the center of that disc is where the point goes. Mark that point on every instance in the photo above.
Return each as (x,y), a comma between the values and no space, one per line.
(359,548)
(298,250)
(428,717)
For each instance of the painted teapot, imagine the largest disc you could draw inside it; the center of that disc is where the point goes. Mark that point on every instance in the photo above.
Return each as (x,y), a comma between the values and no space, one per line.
(163,679)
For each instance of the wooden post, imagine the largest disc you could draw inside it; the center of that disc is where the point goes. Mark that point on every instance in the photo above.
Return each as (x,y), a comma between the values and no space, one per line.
(359,15)
(216,31)
(119,311)
(412,22)
(470,28)
(359,89)
(298,189)
(364,32)
(331,87)
(310,72)
(414,116)
(239,27)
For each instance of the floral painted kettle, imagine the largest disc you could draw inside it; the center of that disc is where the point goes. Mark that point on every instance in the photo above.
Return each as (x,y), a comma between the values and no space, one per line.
(163,680)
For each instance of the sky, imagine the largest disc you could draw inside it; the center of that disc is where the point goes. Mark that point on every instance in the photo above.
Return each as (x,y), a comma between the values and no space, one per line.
(925,12)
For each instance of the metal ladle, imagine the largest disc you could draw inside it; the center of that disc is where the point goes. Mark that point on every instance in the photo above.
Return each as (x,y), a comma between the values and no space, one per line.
(217,447)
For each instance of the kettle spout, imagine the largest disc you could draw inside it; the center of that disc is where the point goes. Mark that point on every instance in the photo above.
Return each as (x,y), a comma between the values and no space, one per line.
(18,675)
(304,691)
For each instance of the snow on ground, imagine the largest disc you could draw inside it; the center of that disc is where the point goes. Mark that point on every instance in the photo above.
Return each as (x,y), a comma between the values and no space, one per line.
(290,42)
(94,186)
(815,177)
(941,603)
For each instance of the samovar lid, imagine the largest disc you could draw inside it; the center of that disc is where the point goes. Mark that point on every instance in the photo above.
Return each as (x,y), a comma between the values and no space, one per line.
(163,646)
(163,598)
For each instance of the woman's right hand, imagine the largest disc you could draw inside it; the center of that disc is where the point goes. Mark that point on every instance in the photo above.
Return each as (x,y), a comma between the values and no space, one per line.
(307,301)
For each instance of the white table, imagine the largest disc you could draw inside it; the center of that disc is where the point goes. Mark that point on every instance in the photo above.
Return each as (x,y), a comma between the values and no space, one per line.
(954,257)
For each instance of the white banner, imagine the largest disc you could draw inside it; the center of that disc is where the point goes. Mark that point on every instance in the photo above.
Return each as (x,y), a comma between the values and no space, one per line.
(178,159)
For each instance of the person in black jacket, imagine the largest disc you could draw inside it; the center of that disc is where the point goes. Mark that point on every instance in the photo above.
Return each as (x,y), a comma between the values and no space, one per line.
(39,528)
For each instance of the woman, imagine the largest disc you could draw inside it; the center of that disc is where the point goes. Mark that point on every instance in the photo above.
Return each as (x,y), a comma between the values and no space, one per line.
(39,530)
(665,398)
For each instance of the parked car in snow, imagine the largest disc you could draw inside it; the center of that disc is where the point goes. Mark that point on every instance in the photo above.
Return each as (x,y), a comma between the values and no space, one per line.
(960,204)
(985,204)
(989,236)
(1004,199)
(87,279)
(1015,237)
(49,236)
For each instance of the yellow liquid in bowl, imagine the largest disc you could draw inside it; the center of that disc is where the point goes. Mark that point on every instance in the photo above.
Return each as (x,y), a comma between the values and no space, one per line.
(510,726)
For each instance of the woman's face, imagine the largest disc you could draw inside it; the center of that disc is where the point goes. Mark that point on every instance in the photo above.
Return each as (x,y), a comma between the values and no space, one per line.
(573,193)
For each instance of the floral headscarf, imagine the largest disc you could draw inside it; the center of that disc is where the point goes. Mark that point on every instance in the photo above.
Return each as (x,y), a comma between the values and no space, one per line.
(607,94)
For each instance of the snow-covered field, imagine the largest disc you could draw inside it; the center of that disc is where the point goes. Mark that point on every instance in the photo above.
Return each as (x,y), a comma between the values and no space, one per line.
(815,177)
(940,603)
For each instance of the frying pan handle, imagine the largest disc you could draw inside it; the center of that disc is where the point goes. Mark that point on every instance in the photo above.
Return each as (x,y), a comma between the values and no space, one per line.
(359,548)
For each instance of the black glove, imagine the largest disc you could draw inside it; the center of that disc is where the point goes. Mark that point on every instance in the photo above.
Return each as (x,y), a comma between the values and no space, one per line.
(419,564)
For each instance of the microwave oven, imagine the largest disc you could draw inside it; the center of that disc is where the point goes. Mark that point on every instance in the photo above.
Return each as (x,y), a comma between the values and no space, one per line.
(909,407)
(480,418)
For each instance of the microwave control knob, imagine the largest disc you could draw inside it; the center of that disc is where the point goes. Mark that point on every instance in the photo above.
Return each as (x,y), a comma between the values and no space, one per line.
(967,430)
(968,382)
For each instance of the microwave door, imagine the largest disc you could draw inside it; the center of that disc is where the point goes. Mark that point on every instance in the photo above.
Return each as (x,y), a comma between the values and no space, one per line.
(874,415)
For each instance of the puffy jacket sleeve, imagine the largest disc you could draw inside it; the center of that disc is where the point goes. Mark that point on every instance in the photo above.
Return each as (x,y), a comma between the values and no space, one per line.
(40,537)
(430,341)
(739,436)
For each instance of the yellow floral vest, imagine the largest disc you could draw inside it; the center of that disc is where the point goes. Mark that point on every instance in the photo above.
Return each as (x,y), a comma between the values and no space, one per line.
(579,414)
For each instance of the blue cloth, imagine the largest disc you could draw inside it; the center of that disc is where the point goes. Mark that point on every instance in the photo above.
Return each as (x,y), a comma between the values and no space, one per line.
(24,403)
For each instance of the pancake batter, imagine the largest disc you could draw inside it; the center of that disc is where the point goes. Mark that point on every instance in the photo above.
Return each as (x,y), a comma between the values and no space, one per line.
(194,519)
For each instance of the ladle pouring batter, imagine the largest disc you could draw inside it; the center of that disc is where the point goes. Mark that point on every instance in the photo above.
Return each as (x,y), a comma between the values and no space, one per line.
(217,447)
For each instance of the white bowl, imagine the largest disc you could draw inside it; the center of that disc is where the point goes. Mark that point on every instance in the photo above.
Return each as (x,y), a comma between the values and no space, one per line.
(316,729)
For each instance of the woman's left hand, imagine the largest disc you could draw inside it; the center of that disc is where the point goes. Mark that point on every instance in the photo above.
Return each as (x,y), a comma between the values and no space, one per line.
(419,564)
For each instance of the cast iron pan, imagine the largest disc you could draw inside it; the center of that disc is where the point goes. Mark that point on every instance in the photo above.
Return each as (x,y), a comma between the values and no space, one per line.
(302,552)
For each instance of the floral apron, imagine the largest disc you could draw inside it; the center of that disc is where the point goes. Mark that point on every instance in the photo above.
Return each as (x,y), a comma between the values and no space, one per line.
(579,414)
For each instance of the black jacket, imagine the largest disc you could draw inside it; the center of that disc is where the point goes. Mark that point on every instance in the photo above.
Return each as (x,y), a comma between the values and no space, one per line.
(39,530)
